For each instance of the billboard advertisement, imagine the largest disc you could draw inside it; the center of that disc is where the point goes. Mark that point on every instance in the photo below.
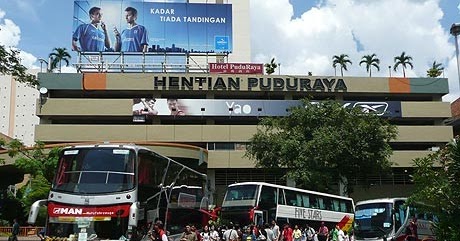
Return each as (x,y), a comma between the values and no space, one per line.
(235,107)
(138,26)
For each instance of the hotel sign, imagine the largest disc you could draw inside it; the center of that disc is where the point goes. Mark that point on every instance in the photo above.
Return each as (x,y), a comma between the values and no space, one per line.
(249,83)
(236,68)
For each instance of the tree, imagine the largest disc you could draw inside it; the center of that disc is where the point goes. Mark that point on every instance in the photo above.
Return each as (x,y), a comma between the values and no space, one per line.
(35,160)
(370,60)
(341,60)
(10,64)
(59,55)
(435,70)
(271,67)
(403,60)
(322,144)
(438,189)
(41,165)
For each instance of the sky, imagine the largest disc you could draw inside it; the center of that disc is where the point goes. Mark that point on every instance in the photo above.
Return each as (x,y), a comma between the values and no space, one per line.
(302,35)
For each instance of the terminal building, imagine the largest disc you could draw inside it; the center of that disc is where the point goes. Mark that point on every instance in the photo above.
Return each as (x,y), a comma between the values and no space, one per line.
(204,116)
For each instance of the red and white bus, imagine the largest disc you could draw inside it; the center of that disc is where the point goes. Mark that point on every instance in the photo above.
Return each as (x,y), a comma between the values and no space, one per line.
(388,219)
(113,191)
(261,202)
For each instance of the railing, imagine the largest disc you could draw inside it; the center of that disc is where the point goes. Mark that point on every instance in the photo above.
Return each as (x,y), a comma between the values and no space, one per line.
(147,62)
(23,231)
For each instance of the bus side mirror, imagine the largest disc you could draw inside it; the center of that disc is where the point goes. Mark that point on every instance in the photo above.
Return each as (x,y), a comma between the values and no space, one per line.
(133,214)
(33,213)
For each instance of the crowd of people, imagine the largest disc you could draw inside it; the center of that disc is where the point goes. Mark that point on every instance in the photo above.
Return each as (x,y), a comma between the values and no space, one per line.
(265,232)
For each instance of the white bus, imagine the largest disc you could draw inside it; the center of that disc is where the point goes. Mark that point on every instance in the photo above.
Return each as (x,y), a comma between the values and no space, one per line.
(114,191)
(388,219)
(261,202)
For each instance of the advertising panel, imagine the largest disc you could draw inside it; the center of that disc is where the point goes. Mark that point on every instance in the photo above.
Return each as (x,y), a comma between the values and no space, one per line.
(231,107)
(136,26)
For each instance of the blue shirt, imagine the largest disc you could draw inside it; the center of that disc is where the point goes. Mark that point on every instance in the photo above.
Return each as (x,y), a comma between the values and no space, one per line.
(133,39)
(91,38)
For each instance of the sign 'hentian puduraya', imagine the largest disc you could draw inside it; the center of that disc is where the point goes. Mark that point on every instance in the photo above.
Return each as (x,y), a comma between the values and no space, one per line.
(248,83)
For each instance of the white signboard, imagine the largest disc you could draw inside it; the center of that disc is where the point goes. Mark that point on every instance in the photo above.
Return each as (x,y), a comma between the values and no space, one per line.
(284,211)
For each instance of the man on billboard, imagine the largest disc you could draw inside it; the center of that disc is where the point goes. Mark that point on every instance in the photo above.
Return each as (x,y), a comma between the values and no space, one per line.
(89,36)
(134,38)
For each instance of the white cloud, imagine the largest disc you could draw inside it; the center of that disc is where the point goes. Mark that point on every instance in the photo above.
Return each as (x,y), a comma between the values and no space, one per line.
(308,43)
(10,35)
(10,32)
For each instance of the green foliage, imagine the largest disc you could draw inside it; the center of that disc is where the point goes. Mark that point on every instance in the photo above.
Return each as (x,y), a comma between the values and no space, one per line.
(34,161)
(323,143)
(57,56)
(438,188)
(271,67)
(403,60)
(370,60)
(41,165)
(11,208)
(341,60)
(435,70)
(10,64)
(37,188)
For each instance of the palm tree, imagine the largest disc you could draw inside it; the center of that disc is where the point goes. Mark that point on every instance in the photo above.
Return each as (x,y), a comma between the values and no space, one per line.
(342,60)
(271,67)
(370,60)
(435,70)
(403,60)
(59,55)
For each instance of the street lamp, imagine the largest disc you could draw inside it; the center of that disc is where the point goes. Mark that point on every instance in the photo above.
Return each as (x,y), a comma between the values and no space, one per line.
(41,64)
(389,70)
(455,30)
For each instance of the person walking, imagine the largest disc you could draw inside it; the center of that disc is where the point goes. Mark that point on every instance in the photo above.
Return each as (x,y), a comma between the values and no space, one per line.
(15,231)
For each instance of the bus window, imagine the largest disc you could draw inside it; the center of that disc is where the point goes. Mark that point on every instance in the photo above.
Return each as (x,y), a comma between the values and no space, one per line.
(335,205)
(267,197)
(291,198)
(314,201)
(327,203)
(306,200)
(281,199)
(343,207)
(321,203)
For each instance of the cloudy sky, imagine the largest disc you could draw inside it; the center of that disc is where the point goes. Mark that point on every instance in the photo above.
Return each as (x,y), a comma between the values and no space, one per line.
(302,35)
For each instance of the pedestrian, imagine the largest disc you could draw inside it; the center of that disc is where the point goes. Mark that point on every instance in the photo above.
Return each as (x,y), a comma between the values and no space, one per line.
(296,233)
(323,232)
(248,234)
(310,232)
(188,235)
(42,234)
(206,234)
(276,231)
(15,231)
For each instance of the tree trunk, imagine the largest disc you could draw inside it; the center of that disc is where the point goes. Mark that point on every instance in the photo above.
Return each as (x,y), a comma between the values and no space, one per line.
(343,186)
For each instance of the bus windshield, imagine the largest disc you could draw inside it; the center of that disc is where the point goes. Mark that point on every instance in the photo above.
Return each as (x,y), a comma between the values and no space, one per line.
(95,170)
(373,220)
(241,195)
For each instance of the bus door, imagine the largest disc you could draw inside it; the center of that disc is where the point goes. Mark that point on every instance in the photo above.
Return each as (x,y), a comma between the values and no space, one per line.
(259,217)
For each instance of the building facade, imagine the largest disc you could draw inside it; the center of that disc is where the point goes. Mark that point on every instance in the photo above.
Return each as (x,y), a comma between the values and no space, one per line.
(220,113)
(18,109)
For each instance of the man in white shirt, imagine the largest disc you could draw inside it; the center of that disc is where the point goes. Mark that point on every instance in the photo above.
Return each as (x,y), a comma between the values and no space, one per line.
(276,231)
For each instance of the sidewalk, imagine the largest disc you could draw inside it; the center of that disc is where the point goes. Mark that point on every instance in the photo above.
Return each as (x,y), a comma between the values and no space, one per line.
(21,238)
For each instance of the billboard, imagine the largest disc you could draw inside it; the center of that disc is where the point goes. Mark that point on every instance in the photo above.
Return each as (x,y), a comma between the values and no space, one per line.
(235,107)
(137,26)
